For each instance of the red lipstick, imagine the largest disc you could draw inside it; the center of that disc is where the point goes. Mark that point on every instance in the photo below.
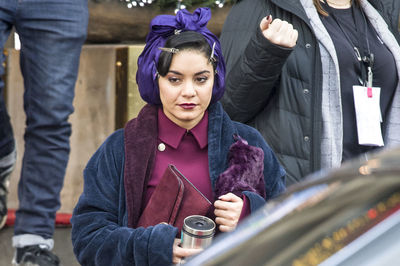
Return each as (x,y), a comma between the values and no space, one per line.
(187,105)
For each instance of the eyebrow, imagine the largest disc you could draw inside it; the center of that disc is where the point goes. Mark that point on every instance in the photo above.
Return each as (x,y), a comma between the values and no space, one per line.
(196,74)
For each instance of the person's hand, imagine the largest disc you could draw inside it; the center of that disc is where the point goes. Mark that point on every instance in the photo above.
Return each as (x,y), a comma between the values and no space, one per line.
(179,253)
(228,208)
(279,32)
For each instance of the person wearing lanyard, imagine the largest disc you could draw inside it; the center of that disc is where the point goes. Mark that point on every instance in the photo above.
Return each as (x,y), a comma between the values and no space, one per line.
(318,78)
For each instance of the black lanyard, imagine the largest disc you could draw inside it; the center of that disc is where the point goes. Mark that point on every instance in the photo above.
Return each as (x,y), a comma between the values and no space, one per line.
(363,54)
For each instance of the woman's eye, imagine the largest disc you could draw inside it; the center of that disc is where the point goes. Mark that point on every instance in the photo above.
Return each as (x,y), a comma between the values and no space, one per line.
(201,79)
(173,79)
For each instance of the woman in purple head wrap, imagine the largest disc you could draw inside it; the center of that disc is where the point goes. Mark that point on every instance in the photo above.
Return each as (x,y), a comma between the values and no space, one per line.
(181,77)
(163,27)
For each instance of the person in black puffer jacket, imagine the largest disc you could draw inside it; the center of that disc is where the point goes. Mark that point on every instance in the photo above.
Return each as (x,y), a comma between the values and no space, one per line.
(299,95)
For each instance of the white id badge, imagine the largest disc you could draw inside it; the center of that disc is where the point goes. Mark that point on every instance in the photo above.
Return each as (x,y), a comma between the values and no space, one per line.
(368,115)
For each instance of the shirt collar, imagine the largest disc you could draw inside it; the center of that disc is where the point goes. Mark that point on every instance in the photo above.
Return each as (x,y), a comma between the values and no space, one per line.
(172,134)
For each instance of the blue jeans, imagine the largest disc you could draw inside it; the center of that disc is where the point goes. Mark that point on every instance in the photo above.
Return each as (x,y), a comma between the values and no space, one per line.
(52,33)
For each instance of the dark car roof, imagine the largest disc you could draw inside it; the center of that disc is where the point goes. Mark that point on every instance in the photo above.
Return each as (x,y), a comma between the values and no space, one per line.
(319,219)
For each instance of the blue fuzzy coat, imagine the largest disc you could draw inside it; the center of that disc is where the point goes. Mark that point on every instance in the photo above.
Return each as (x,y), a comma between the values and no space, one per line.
(103,229)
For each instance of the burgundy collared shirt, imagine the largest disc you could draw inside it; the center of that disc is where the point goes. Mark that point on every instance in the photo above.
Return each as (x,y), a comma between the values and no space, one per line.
(186,149)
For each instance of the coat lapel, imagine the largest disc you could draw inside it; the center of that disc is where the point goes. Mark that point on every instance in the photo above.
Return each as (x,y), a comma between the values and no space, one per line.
(140,138)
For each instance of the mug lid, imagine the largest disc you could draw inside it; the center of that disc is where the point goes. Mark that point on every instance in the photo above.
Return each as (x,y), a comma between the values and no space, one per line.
(199,225)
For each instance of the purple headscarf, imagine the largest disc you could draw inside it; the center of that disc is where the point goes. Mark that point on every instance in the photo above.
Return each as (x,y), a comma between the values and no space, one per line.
(163,26)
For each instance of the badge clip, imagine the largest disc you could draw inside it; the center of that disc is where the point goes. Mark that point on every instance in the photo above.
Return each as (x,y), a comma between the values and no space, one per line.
(369,92)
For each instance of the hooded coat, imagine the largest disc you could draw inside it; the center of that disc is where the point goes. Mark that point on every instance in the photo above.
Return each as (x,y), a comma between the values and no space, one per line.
(104,221)
(279,90)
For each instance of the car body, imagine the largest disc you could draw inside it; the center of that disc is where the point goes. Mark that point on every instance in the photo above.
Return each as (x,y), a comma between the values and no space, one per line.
(344,216)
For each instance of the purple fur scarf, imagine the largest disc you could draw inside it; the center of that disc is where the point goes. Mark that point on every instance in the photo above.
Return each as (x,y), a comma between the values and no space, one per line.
(245,171)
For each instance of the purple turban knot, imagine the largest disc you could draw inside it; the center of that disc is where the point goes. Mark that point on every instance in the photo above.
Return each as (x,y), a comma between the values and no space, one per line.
(163,26)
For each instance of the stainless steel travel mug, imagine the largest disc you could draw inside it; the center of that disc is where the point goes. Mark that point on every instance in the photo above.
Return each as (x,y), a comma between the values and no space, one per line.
(197,232)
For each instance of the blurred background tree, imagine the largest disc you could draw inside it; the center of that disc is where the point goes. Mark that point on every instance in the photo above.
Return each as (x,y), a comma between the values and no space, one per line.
(177,4)
(127,21)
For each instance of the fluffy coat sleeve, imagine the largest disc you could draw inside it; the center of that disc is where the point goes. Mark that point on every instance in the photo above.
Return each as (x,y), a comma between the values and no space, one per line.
(273,174)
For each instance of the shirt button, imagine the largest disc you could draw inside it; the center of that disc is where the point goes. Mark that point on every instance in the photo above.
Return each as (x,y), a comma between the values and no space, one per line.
(306,91)
(161,147)
(308,45)
(306,138)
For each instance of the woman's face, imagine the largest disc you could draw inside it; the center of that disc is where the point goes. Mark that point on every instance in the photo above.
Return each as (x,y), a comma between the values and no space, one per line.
(186,90)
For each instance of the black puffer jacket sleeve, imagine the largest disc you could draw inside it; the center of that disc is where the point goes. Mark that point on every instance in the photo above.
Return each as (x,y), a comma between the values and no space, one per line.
(254,64)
